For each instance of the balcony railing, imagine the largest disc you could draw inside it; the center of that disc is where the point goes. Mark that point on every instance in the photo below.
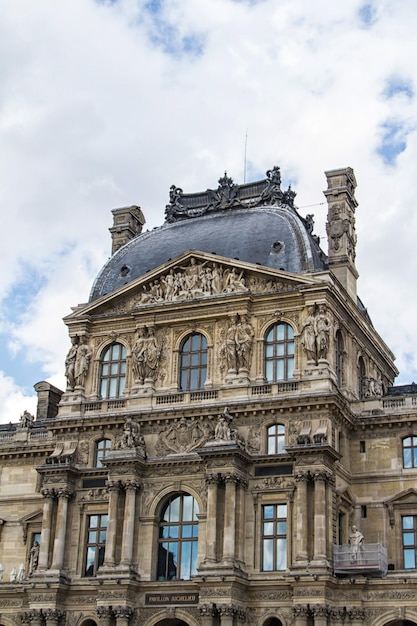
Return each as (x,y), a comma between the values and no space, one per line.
(367,559)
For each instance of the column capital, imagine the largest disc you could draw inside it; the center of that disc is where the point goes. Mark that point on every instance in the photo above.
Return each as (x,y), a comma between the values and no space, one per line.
(103,612)
(123,611)
(32,616)
(212,479)
(49,492)
(208,610)
(322,475)
(131,485)
(302,476)
(356,613)
(320,610)
(52,615)
(64,493)
(300,610)
(114,485)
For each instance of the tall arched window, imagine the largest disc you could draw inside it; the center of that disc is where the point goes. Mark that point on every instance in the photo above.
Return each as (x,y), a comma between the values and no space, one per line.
(339,357)
(113,371)
(102,447)
(275,439)
(193,362)
(279,352)
(178,538)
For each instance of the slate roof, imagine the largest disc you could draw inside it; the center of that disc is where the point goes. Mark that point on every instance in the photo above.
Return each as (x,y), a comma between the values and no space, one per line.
(256,223)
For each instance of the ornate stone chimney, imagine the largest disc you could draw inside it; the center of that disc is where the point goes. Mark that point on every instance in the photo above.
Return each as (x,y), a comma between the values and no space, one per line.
(127,224)
(340,227)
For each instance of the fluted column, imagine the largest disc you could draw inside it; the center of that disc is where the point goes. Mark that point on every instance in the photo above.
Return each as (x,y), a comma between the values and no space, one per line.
(320,479)
(229,537)
(301,615)
(131,488)
(301,516)
(212,481)
(60,529)
(114,493)
(45,542)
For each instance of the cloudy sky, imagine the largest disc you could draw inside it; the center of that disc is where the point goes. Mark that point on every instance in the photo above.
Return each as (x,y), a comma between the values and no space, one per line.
(107,103)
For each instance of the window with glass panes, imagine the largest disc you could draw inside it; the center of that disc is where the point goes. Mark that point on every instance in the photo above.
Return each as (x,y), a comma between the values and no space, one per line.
(178,539)
(113,371)
(275,439)
(274,537)
(279,353)
(410,452)
(102,447)
(409,530)
(95,544)
(193,362)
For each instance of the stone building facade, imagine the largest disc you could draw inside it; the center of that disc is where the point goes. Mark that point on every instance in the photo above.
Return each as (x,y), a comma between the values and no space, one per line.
(230,448)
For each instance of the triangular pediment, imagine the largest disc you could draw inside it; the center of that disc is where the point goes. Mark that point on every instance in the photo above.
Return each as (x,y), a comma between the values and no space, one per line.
(409,496)
(194,275)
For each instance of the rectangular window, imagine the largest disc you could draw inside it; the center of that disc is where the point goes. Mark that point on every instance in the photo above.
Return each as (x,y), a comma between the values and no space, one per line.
(95,544)
(362,447)
(274,537)
(409,530)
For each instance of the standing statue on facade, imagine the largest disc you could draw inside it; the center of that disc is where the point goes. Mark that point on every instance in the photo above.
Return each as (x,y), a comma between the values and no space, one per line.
(33,557)
(70,363)
(146,354)
(315,333)
(356,545)
(82,362)
(237,347)
(26,420)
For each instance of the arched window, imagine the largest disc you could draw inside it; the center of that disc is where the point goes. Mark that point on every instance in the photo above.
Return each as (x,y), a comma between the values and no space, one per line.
(102,447)
(361,377)
(178,538)
(279,353)
(275,439)
(339,357)
(410,452)
(193,362)
(113,371)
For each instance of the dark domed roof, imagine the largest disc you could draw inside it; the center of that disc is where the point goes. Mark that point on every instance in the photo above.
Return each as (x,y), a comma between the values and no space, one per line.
(255,223)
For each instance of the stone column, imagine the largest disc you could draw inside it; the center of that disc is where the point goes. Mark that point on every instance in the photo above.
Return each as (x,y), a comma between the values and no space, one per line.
(60,529)
(104,615)
(301,615)
(320,613)
(229,519)
(131,488)
(43,561)
(357,616)
(34,616)
(122,615)
(52,616)
(110,554)
(212,481)
(208,613)
(240,521)
(301,516)
(320,479)
(227,614)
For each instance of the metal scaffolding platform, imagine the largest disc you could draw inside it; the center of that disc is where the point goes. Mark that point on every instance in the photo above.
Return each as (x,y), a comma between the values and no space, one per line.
(367,559)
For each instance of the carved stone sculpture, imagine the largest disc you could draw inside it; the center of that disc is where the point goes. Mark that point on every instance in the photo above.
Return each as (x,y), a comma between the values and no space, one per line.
(82,362)
(315,333)
(33,557)
(26,420)
(132,437)
(181,438)
(70,363)
(237,346)
(146,354)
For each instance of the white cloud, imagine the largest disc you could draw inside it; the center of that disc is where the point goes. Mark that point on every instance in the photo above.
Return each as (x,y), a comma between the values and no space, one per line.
(95,114)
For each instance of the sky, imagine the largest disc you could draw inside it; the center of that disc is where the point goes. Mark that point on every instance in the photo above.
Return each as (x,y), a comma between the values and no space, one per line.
(107,103)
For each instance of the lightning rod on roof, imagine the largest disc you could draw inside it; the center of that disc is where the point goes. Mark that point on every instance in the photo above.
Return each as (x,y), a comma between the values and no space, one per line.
(244,164)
